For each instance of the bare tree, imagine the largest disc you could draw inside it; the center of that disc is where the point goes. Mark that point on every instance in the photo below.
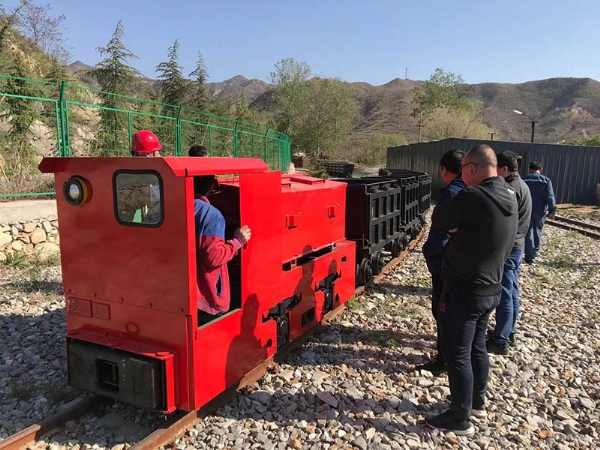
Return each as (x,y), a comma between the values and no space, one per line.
(46,31)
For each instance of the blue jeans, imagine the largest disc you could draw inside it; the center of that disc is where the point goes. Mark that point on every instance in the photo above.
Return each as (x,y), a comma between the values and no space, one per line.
(463,320)
(533,239)
(508,308)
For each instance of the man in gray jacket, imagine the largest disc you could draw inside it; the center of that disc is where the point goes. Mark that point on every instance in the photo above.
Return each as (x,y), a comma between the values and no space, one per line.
(508,308)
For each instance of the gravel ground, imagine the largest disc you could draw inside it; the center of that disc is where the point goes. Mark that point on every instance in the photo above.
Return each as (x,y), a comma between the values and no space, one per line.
(350,386)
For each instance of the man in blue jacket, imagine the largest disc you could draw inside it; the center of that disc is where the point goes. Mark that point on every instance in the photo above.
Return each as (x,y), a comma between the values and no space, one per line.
(543,202)
(450,166)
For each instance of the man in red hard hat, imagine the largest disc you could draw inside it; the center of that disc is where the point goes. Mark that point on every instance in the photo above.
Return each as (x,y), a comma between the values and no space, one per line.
(145,143)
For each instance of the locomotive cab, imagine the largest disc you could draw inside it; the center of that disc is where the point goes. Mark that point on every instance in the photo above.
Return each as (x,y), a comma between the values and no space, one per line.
(128,256)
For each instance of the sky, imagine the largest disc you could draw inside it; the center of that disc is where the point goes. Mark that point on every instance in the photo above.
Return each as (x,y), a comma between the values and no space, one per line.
(374,41)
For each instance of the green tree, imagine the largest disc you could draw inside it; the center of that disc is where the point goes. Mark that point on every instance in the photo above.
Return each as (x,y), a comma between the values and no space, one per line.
(8,22)
(327,118)
(114,75)
(200,96)
(590,141)
(375,151)
(242,109)
(446,122)
(291,93)
(21,114)
(174,87)
(444,90)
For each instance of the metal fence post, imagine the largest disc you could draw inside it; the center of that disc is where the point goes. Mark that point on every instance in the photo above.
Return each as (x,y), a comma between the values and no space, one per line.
(178,137)
(62,150)
(129,129)
(266,145)
(235,138)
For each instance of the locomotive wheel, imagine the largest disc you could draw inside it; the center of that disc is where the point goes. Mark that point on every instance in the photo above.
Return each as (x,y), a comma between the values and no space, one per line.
(377,263)
(364,272)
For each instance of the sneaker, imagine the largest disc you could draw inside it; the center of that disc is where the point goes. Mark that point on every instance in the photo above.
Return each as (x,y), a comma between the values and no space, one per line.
(435,366)
(496,348)
(529,261)
(446,422)
(479,413)
(512,339)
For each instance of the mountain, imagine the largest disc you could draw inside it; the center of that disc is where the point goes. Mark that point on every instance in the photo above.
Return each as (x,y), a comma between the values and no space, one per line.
(564,108)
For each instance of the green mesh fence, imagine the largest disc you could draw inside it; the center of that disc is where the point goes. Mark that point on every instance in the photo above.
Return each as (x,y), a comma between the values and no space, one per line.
(40,118)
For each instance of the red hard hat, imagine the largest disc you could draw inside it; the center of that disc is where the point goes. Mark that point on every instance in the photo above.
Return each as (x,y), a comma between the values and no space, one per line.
(145,141)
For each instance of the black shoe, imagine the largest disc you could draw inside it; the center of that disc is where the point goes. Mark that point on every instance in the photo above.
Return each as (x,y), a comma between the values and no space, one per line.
(435,366)
(529,261)
(446,422)
(495,347)
(512,339)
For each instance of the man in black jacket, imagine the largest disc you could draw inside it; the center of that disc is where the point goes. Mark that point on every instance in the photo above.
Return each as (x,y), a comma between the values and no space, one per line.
(483,221)
(450,166)
(508,309)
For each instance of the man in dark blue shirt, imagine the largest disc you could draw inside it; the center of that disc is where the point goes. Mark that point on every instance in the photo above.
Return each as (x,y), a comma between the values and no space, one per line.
(450,166)
(543,202)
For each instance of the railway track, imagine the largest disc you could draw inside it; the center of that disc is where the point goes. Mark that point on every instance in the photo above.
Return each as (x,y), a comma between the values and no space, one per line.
(578,226)
(180,422)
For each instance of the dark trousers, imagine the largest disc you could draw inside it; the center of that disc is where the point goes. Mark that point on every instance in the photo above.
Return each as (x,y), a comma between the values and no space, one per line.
(463,320)
(533,238)
(437,286)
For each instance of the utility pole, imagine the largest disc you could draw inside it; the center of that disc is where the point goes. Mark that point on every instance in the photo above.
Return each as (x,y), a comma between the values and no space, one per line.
(532,122)
(420,125)
(406,73)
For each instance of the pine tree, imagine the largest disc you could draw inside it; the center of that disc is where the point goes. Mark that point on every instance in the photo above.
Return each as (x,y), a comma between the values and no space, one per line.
(115,76)
(200,95)
(174,87)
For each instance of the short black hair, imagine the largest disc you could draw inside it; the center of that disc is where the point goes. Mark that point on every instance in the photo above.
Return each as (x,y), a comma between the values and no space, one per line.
(452,161)
(508,159)
(535,165)
(203,184)
(198,150)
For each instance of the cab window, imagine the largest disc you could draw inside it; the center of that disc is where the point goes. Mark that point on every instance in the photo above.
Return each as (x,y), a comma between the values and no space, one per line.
(138,198)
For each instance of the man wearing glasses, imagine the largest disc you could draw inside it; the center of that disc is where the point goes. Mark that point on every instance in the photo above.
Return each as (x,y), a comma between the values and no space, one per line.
(483,220)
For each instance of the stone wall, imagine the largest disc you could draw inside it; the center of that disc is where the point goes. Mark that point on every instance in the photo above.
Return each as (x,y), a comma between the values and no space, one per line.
(36,238)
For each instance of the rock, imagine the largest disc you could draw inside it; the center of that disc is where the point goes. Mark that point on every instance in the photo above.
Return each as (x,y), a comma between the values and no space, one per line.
(370,433)
(2,257)
(360,443)
(38,236)
(412,443)
(47,226)
(587,403)
(118,447)
(354,393)
(29,227)
(5,239)
(406,405)
(17,246)
(319,376)
(46,250)
(327,398)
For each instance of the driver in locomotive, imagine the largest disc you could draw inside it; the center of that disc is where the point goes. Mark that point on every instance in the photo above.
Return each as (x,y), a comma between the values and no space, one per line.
(213,253)
(145,143)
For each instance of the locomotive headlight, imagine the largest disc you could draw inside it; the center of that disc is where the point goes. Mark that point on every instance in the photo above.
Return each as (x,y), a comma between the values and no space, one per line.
(76,191)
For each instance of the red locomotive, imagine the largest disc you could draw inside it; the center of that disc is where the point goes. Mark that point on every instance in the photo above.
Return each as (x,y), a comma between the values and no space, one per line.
(128,252)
